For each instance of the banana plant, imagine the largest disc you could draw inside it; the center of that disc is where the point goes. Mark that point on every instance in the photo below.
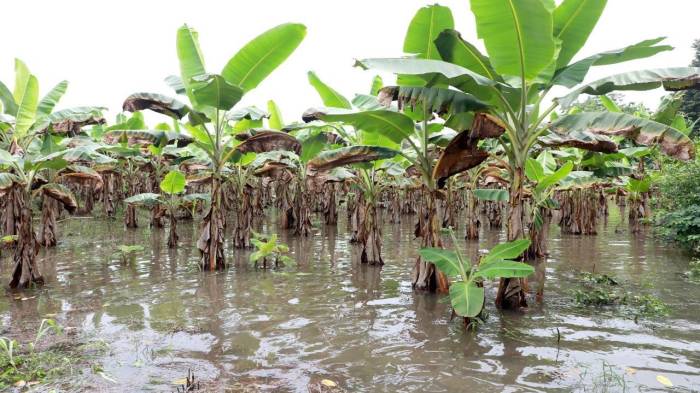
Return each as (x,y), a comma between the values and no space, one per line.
(269,251)
(30,160)
(364,149)
(541,198)
(467,287)
(530,47)
(212,99)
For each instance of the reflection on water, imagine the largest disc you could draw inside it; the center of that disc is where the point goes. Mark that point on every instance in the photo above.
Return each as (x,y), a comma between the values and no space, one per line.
(331,317)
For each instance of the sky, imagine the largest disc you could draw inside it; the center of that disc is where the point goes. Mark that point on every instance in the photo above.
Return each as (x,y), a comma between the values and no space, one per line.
(110,49)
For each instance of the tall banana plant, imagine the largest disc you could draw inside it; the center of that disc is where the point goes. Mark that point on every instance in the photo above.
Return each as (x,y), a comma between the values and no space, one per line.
(32,165)
(365,150)
(212,99)
(530,47)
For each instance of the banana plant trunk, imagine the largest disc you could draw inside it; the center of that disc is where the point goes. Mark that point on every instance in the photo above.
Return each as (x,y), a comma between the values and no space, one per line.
(108,195)
(511,292)
(302,210)
(49,212)
(472,217)
(172,234)
(244,218)
(25,272)
(330,211)
(371,236)
(12,211)
(538,236)
(211,241)
(425,275)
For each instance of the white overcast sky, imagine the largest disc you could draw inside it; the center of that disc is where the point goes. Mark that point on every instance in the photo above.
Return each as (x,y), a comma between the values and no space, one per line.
(109,49)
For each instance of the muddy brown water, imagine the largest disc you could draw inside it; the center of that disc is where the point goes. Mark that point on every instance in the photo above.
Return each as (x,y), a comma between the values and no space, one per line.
(330,317)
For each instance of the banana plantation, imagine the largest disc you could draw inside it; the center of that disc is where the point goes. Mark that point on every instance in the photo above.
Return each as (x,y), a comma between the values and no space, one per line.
(482,215)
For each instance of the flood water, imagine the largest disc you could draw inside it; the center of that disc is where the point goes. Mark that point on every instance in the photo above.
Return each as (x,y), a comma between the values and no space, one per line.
(330,317)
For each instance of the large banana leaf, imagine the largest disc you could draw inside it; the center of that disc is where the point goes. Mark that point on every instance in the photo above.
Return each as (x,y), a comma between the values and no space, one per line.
(215,91)
(330,97)
(643,131)
(412,66)
(575,73)
(518,35)
(330,159)
(190,56)
(467,299)
(249,113)
(259,57)
(50,100)
(503,268)
(156,102)
(445,260)
(461,154)
(574,21)
(392,125)
(27,105)
(433,99)
(424,28)
(671,79)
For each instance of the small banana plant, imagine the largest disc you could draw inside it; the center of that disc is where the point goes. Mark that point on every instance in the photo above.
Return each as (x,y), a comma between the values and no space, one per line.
(467,279)
(269,251)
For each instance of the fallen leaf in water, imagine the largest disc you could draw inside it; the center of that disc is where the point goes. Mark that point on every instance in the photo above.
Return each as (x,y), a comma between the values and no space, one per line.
(631,370)
(328,383)
(32,383)
(664,381)
(106,377)
(50,315)
(20,383)
(180,381)
(28,298)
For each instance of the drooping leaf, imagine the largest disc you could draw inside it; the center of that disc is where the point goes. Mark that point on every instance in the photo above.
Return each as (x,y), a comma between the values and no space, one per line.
(671,79)
(644,132)
(580,139)
(147,137)
(518,35)
(575,73)
(433,99)
(156,102)
(330,97)
(71,120)
(467,299)
(62,194)
(7,181)
(248,113)
(349,155)
(267,140)
(461,154)
(262,55)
